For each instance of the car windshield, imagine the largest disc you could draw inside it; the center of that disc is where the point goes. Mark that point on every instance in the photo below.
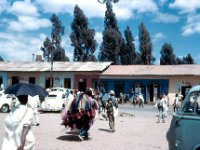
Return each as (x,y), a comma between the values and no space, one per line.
(193,103)
(52,96)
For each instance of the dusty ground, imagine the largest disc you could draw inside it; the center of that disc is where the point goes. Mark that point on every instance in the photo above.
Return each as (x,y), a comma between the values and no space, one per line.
(139,132)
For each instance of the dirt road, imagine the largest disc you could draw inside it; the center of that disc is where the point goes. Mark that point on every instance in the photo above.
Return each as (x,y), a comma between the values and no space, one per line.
(138,132)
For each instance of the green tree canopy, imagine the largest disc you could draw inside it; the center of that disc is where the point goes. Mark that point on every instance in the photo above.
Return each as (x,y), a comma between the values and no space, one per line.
(167,55)
(145,46)
(82,37)
(112,38)
(52,47)
(185,60)
(111,45)
(128,53)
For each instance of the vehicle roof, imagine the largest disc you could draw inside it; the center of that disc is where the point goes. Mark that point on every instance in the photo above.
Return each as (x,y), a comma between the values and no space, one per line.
(55,93)
(195,88)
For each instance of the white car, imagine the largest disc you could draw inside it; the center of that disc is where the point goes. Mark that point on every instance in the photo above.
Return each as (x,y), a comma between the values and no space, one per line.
(55,101)
(58,89)
(7,101)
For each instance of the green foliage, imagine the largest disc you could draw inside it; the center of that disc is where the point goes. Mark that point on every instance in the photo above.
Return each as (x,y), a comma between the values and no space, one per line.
(185,60)
(57,30)
(47,46)
(112,38)
(167,55)
(60,55)
(82,37)
(145,46)
(111,45)
(52,50)
(128,54)
(110,20)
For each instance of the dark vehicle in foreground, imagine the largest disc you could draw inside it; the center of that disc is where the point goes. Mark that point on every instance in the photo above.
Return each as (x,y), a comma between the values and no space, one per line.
(184,131)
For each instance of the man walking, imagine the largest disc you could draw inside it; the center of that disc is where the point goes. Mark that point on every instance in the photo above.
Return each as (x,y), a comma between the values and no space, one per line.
(160,106)
(111,105)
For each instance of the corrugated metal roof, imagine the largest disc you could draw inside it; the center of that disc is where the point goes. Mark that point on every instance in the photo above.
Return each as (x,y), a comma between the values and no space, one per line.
(57,66)
(155,70)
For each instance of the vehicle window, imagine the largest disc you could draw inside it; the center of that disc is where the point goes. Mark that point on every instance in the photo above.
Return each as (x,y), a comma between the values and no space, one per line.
(52,95)
(193,103)
(9,96)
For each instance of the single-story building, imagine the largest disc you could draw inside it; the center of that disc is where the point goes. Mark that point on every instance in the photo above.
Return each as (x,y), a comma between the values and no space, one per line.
(151,80)
(74,75)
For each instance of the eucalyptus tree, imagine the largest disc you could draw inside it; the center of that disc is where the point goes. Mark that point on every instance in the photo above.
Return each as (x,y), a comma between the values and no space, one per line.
(82,37)
(167,55)
(185,60)
(112,38)
(52,50)
(128,53)
(145,46)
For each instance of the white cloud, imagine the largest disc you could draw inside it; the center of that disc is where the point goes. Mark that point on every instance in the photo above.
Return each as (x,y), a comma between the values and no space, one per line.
(27,17)
(122,13)
(123,9)
(3,5)
(27,23)
(91,8)
(23,8)
(192,25)
(14,46)
(144,6)
(158,37)
(186,6)
(166,18)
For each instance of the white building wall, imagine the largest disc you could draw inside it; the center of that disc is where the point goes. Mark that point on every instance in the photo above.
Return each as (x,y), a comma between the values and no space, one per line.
(175,83)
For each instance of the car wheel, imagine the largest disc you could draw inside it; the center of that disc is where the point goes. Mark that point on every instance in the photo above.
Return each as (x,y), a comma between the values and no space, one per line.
(5,108)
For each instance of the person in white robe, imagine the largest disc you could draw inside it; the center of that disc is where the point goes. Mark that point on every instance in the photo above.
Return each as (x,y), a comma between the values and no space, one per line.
(34,102)
(17,124)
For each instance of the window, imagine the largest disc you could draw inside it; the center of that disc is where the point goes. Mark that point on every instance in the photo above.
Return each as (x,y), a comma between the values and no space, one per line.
(32,80)
(138,88)
(193,103)
(67,83)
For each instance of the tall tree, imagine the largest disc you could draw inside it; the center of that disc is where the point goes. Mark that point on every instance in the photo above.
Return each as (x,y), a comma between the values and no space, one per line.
(46,48)
(112,38)
(128,53)
(189,59)
(145,46)
(185,60)
(82,37)
(111,45)
(167,55)
(52,50)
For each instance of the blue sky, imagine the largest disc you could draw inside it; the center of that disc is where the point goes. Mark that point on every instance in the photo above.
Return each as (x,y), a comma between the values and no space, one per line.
(25,24)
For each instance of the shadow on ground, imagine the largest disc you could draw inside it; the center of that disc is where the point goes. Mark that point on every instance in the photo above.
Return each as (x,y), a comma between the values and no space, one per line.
(70,137)
(105,130)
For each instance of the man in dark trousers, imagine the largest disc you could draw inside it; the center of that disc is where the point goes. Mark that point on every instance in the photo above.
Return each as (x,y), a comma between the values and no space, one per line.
(111,105)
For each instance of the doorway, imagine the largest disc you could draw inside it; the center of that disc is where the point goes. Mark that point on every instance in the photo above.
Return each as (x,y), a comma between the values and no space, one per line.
(154,92)
(15,80)
(119,87)
(48,83)
(67,83)
(185,90)
(32,80)
(82,84)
